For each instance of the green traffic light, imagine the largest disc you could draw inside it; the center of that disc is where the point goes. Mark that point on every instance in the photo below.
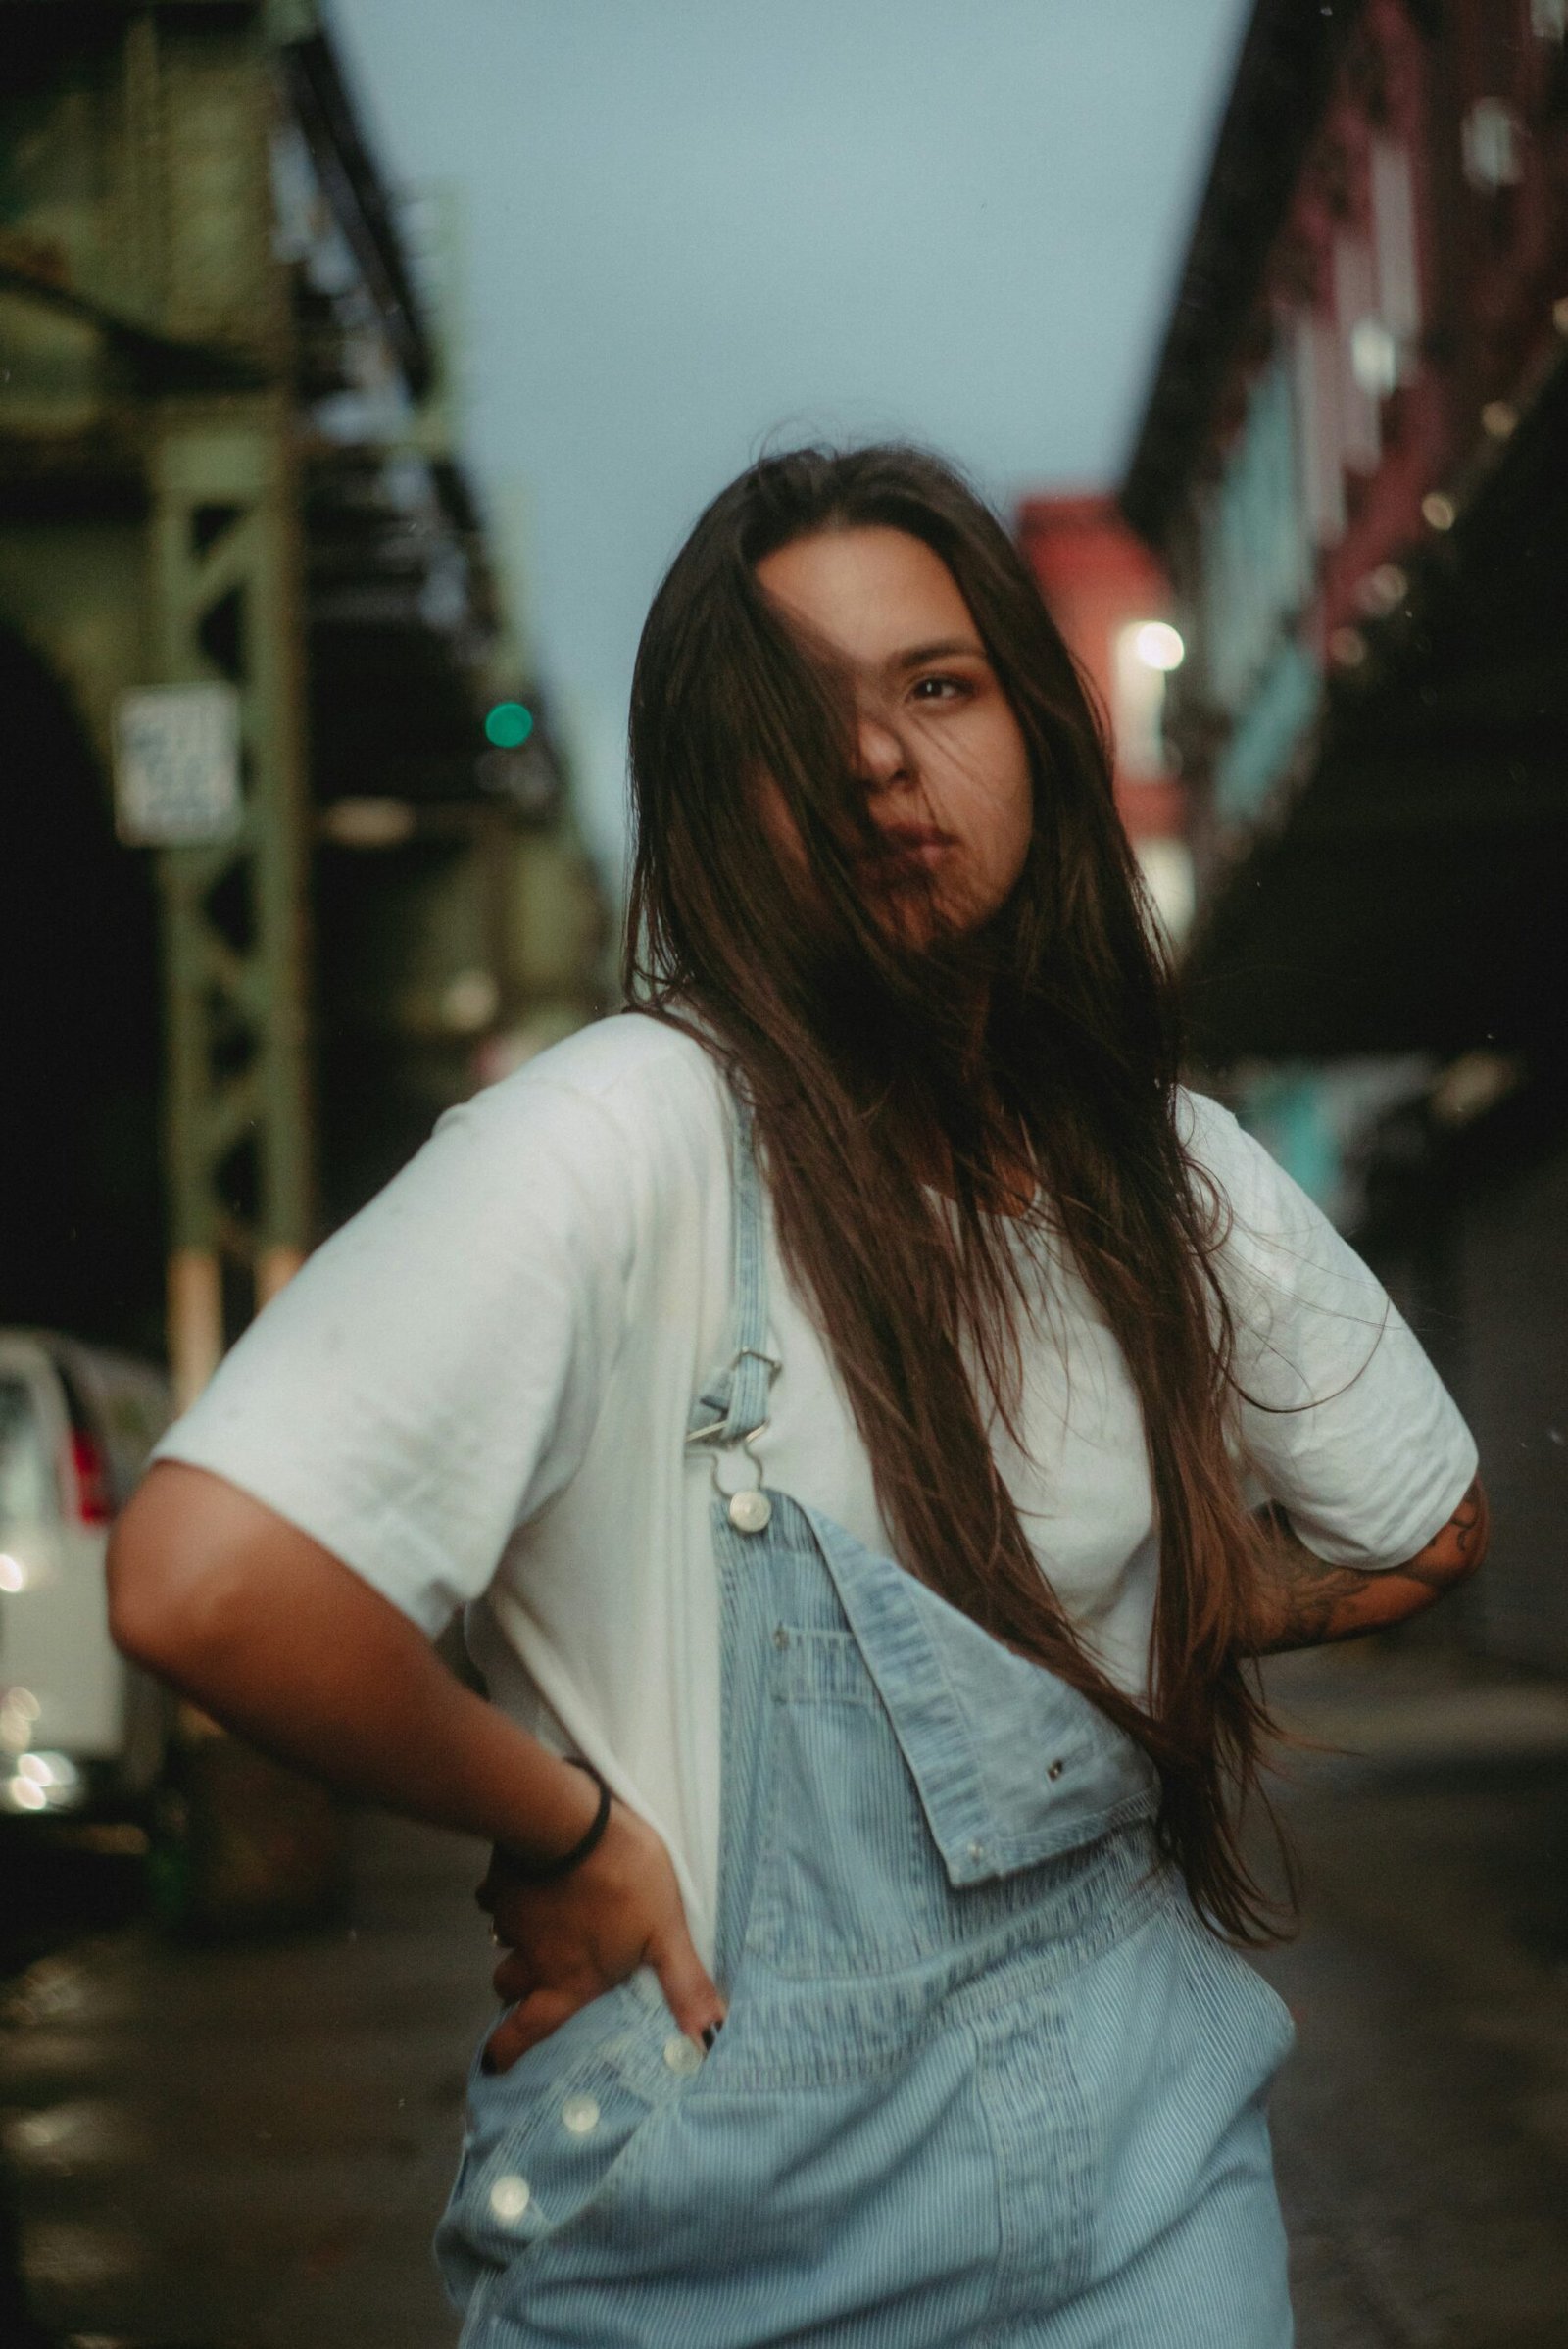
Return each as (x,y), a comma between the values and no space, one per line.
(508,724)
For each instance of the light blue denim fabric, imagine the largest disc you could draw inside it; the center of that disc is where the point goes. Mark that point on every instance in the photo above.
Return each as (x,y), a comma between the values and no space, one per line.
(984,2078)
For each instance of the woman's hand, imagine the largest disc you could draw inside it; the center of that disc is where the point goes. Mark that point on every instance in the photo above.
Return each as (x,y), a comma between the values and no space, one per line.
(570,1942)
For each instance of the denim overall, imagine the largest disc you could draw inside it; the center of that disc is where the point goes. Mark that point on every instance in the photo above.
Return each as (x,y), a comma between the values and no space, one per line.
(984,2077)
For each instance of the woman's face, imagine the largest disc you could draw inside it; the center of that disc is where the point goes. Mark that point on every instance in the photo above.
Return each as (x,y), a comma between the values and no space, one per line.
(942,755)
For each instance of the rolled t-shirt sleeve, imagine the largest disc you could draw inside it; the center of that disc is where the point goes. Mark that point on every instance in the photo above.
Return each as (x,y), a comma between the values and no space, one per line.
(431,1376)
(1341,1417)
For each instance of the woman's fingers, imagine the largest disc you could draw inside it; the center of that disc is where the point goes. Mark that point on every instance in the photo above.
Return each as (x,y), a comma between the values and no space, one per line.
(689,1990)
(533,2019)
(563,1944)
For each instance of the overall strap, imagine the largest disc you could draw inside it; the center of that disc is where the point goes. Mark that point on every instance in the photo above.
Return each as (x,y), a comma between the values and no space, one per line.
(733,1402)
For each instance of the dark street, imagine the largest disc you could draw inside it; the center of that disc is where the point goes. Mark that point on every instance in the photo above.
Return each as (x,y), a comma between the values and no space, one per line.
(1422,2128)
(246,2147)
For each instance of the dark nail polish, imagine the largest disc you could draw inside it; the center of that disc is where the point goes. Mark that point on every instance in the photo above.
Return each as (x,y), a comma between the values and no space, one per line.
(711,2033)
(487,2064)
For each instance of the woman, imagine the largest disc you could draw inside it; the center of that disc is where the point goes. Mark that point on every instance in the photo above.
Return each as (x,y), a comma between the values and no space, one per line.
(792,1376)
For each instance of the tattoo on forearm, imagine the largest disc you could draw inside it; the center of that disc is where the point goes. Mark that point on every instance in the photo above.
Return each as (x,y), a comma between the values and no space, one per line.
(1468,1524)
(1304,1601)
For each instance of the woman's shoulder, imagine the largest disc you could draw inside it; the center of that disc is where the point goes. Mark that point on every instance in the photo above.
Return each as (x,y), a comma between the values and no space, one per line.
(1206,1128)
(1235,1162)
(629,1095)
(1270,1234)
(580,1157)
(621,1053)
(628,1068)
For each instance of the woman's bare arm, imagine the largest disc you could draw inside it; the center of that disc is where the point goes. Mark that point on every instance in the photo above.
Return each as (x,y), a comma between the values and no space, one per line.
(280,1640)
(1304,1601)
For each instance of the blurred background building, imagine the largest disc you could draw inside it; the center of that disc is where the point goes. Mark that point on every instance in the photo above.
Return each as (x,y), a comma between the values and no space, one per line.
(1353,466)
(286,843)
(1111,600)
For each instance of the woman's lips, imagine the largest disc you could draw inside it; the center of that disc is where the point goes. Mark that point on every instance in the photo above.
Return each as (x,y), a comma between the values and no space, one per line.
(915,849)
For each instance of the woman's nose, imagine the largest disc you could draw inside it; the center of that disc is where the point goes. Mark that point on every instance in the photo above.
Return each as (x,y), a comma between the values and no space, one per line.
(882,756)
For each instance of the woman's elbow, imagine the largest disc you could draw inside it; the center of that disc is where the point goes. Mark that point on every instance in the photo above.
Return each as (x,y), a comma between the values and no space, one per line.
(140,1616)
(165,1578)
(1453,1555)
(1477,1534)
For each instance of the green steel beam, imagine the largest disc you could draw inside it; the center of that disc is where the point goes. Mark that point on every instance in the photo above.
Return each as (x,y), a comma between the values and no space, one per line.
(226,590)
(226,576)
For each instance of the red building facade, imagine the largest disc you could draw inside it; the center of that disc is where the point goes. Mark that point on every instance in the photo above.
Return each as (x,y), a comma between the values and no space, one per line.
(1112,601)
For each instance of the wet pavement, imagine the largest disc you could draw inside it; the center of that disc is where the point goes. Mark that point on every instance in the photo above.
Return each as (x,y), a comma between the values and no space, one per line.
(1421,2130)
(246,2147)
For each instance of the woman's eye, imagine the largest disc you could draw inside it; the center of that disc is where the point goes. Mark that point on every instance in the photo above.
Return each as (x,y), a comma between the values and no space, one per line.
(939,689)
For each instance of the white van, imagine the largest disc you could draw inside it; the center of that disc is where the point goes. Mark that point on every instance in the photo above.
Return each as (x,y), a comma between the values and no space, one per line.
(81,1729)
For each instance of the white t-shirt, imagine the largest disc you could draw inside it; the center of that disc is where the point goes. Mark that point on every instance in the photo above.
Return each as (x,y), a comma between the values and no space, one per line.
(477,1393)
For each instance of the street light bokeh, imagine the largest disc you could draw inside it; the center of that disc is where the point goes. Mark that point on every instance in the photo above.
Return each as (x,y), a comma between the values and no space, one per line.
(1159,645)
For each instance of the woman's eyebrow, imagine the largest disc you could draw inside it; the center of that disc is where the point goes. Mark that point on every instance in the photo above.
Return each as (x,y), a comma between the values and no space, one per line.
(942,648)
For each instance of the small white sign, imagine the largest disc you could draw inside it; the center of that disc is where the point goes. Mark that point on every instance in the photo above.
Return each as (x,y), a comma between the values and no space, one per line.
(176,766)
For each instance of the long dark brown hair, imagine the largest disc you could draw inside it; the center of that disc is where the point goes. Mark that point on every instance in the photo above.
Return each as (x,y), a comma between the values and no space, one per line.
(869,1060)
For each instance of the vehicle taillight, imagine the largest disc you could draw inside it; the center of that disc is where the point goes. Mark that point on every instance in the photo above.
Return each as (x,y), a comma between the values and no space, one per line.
(91,1480)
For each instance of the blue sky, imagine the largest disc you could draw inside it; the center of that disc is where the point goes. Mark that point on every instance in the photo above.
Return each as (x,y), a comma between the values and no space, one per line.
(691,226)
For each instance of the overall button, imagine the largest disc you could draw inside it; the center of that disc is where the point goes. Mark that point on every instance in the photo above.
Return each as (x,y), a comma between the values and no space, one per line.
(510,2197)
(579,2114)
(1056,1770)
(750,1511)
(682,2055)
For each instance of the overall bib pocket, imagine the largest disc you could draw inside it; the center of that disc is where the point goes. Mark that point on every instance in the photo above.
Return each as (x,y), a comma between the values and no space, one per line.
(1013,1766)
(836,1822)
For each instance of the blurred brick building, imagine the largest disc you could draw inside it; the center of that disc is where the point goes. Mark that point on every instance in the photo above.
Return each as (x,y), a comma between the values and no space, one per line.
(1354,460)
(1111,600)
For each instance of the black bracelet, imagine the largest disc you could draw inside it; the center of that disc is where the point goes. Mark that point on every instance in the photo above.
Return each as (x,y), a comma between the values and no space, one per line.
(544,1871)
